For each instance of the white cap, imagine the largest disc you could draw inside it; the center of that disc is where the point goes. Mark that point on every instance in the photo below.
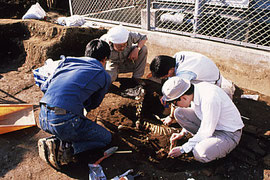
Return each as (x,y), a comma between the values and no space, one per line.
(118,34)
(174,87)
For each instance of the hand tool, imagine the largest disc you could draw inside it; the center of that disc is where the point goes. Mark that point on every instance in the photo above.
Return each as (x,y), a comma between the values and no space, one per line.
(107,153)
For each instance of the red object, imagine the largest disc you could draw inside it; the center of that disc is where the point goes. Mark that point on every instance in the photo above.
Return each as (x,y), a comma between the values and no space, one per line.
(107,153)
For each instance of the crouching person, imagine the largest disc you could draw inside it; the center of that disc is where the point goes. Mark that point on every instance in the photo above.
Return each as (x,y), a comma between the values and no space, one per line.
(213,119)
(78,83)
(129,53)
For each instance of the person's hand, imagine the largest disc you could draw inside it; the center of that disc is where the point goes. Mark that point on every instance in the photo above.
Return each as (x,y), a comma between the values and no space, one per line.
(175,152)
(162,101)
(133,55)
(176,136)
(167,120)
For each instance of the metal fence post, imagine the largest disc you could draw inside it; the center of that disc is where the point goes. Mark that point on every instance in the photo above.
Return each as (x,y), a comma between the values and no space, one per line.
(199,5)
(148,2)
(70,8)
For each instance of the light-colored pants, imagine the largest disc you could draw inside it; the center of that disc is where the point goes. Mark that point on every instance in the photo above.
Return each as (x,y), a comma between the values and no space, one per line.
(137,67)
(209,149)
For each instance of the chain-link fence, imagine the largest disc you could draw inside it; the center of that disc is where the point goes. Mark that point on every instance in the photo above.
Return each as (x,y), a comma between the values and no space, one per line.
(113,11)
(241,22)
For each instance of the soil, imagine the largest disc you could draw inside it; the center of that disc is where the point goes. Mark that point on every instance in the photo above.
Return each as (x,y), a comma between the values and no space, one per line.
(27,44)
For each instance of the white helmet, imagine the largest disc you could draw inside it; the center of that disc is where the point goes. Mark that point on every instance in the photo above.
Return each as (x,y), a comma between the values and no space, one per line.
(174,87)
(118,34)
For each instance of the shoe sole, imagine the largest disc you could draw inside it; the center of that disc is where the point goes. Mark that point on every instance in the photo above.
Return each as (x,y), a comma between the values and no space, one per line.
(42,149)
(52,155)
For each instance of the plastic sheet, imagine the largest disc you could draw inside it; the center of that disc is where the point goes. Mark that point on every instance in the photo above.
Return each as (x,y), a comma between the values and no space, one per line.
(35,12)
(74,20)
(96,172)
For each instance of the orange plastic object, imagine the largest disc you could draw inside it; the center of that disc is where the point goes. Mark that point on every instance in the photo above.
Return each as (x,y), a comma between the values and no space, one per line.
(14,117)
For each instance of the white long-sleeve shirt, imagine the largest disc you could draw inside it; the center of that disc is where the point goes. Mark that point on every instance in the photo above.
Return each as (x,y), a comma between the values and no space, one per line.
(196,67)
(215,110)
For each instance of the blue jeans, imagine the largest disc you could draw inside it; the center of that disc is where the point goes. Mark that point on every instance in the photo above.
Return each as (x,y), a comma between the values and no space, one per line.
(83,133)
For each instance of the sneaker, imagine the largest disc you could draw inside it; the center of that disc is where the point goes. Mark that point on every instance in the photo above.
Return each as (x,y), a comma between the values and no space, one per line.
(42,149)
(53,145)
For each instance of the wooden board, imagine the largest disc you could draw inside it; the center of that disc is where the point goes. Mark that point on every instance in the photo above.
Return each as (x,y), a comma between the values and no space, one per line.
(14,117)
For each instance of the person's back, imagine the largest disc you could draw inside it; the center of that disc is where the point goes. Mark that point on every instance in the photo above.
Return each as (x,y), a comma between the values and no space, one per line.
(204,69)
(210,96)
(192,66)
(75,80)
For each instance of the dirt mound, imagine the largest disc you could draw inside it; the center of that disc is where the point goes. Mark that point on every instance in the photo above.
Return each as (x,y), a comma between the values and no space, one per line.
(27,44)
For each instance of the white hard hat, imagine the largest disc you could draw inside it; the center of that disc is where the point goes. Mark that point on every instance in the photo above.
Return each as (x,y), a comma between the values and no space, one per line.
(174,87)
(118,34)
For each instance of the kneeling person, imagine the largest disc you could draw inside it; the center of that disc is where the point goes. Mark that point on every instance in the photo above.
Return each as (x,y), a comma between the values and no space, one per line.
(78,83)
(214,120)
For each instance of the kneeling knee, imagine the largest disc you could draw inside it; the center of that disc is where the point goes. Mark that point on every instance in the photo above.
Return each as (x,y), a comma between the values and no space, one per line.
(201,156)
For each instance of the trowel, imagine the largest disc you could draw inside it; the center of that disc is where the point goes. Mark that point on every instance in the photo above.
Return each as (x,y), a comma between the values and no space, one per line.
(107,153)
